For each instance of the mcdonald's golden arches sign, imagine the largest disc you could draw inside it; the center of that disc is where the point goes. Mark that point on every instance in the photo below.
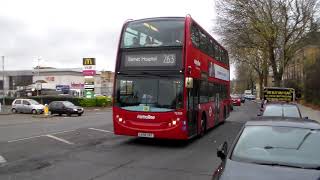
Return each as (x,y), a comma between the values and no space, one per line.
(89,61)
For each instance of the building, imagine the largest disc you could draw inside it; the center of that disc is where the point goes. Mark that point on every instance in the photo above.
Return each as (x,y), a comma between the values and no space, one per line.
(294,75)
(15,80)
(49,81)
(107,78)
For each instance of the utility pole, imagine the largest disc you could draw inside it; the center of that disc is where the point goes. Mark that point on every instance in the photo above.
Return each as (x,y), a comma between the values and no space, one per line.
(37,84)
(3,99)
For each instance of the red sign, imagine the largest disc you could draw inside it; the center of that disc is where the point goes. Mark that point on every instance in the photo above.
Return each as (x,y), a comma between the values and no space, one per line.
(89,72)
(50,78)
(77,85)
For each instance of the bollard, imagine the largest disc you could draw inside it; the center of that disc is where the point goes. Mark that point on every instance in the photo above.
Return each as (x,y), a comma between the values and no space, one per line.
(46,110)
(0,108)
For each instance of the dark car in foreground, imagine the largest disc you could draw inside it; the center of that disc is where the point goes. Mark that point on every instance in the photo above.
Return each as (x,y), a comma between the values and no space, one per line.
(279,109)
(65,107)
(286,149)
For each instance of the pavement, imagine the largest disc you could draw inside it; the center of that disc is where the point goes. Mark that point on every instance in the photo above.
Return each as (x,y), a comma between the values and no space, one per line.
(5,110)
(85,148)
(309,112)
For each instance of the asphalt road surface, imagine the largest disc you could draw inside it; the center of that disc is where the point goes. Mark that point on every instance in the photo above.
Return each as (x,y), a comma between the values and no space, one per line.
(85,148)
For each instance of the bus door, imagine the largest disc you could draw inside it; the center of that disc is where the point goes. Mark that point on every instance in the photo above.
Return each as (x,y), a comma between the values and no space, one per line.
(217,109)
(193,109)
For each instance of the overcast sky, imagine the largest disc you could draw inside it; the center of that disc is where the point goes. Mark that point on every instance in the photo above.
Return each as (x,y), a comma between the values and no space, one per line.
(62,32)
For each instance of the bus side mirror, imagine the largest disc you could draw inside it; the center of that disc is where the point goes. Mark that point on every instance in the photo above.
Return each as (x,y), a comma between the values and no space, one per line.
(189,82)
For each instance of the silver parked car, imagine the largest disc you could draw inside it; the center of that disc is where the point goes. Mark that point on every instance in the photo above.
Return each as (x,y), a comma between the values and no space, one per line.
(26,106)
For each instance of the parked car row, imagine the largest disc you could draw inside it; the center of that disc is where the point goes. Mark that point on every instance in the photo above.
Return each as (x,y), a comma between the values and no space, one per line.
(55,107)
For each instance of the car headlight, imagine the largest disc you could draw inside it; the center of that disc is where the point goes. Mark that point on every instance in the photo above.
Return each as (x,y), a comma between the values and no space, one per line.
(75,109)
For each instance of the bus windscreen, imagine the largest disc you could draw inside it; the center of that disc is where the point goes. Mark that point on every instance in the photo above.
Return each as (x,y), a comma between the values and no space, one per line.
(153,33)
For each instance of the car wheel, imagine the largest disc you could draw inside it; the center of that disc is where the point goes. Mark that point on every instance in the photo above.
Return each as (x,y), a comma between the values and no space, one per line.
(14,110)
(60,114)
(79,114)
(34,111)
(68,114)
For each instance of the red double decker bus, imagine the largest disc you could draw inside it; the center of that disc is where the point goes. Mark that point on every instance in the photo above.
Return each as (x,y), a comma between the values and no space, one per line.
(172,79)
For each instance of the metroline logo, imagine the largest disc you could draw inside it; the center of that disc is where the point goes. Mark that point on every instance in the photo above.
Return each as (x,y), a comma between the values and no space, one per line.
(145,117)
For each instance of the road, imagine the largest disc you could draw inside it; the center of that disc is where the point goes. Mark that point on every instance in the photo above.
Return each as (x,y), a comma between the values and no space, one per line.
(84,148)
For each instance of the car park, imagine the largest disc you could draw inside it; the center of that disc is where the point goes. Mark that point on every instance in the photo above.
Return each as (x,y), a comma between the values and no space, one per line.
(272,148)
(236,100)
(65,107)
(26,106)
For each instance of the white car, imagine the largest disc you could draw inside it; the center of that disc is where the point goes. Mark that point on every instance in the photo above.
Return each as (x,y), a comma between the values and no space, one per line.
(26,106)
(250,96)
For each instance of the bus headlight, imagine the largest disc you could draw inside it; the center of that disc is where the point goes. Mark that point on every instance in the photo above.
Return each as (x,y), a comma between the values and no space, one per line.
(120,119)
(174,122)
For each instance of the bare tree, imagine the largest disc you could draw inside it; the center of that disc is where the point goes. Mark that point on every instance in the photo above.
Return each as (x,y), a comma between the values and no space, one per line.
(255,60)
(273,26)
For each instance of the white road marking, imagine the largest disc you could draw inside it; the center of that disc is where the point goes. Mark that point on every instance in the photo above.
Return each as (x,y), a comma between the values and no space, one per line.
(59,139)
(61,132)
(32,137)
(22,139)
(2,160)
(101,130)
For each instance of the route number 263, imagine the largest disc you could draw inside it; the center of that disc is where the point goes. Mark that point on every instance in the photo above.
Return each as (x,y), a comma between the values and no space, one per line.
(169,59)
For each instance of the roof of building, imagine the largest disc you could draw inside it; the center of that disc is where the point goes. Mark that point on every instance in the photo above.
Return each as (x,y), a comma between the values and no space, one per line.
(41,71)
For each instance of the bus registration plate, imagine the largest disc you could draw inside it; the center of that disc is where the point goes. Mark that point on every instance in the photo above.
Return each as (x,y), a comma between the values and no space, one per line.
(147,135)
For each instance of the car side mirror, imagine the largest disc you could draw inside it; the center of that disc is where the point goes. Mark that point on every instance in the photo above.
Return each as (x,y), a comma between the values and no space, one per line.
(260,114)
(222,151)
(306,117)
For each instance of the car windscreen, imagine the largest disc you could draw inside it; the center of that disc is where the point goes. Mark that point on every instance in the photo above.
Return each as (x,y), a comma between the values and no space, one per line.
(280,145)
(68,104)
(291,111)
(273,110)
(33,102)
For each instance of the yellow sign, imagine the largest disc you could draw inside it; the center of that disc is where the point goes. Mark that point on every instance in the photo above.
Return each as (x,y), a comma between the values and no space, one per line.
(89,61)
(279,94)
(146,108)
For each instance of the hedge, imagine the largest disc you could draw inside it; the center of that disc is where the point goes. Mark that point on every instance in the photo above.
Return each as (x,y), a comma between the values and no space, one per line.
(85,102)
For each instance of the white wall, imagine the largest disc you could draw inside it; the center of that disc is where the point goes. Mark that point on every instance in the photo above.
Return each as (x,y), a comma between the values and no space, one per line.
(59,80)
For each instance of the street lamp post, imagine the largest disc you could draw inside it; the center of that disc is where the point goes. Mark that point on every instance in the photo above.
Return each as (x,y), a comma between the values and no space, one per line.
(3,99)
(37,84)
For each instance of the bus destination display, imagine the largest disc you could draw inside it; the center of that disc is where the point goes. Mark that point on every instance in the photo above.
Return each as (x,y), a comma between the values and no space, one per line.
(134,60)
